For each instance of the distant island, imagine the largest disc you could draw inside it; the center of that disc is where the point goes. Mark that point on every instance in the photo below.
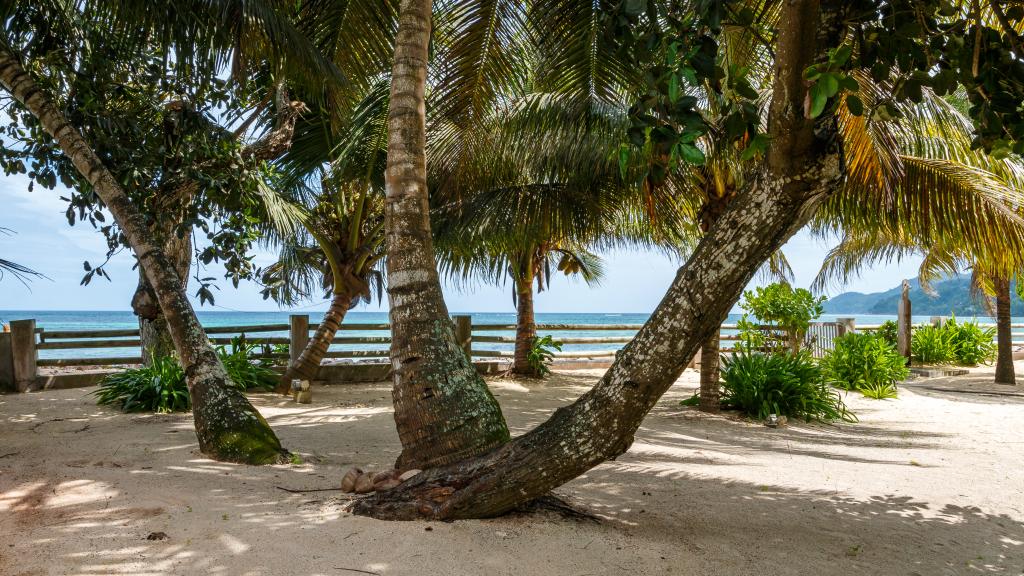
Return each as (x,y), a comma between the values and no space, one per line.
(953,296)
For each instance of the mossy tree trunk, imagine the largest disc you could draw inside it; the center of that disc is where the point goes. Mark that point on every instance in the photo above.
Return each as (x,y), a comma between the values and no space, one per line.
(227,426)
(444,411)
(802,168)
(1005,373)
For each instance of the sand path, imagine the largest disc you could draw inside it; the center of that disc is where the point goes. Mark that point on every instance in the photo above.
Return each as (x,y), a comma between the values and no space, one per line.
(930,484)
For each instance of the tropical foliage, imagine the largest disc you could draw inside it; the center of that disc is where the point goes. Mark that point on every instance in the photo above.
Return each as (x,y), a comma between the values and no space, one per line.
(783,384)
(781,316)
(952,342)
(160,385)
(866,363)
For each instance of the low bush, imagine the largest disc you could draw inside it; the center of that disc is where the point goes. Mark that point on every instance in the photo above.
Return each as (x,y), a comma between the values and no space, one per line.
(161,386)
(245,373)
(542,353)
(952,342)
(785,384)
(931,345)
(158,387)
(866,363)
(889,332)
(971,344)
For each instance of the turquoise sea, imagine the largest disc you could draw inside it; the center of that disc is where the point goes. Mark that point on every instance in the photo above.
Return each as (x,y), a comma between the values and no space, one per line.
(122,319)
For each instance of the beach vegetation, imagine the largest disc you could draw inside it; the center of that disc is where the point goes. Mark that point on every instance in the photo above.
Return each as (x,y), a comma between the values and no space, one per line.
(866,363)
(788,384)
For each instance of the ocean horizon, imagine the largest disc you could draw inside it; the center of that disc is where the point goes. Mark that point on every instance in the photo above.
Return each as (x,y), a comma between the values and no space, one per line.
(124,319)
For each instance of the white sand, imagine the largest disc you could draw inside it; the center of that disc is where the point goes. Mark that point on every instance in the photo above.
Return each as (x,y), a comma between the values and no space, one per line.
(930,484)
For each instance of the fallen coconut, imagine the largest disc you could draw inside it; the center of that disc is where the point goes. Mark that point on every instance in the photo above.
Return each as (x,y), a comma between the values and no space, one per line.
(364,484)
(348,481)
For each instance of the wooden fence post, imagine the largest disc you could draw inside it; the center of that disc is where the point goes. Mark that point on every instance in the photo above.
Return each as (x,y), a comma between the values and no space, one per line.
(6,363)
(903,324)
(846,326)
(464,333)
(298,336)
(24,353)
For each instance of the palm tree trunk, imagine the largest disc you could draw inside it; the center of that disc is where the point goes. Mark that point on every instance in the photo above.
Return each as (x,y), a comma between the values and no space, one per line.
(308,362)
(227,426)
(1004,333)
(801,170)
(709,387)
(444,411)
(526,328)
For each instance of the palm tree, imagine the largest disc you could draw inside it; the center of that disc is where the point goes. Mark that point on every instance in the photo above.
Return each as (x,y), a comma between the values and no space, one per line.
(957,206)
(22,273)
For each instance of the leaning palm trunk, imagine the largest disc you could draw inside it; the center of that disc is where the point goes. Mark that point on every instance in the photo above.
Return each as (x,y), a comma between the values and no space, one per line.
(443,409)
(802,169)
(308,363)
(526,328)
(227,426)
(1004,333)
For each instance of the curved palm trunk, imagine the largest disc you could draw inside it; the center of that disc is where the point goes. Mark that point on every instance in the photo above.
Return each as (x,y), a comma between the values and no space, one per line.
(443,409)
(227,426)
(802,169)
(308,363)
(1004,333)
(709,386)
(526,327)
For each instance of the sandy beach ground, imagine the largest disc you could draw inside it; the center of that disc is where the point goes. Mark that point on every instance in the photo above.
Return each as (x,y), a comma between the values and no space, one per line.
(929,484)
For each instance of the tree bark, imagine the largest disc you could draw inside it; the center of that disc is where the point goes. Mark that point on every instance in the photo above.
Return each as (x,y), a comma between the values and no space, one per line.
(227,426)
(1005,373)
(526,327)
(709,386)
(308,363)
(803,167)
(444,411)
(154,332)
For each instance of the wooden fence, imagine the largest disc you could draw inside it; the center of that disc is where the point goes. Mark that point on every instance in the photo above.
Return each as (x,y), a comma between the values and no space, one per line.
(20,348)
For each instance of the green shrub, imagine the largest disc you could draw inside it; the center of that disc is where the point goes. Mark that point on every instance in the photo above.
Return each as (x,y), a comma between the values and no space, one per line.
(971,344)
(542,352)
(952,342)
(161,386)
(889,332)
(866,363)
(243,371)
(786,313)
(786,384)
(879,391)
(931,345)
(158,387)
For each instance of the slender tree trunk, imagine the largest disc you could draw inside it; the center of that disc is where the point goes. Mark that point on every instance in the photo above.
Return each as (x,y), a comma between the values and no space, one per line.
(802,169)
(227,426)
(1004,333)
(444,411)
(709,386)
(154,332)
(526,327)
(308,363)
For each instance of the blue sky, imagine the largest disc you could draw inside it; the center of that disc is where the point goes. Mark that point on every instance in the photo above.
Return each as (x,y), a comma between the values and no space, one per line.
(634,281)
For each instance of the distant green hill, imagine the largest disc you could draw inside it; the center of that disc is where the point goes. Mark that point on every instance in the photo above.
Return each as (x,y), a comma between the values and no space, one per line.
(953,296)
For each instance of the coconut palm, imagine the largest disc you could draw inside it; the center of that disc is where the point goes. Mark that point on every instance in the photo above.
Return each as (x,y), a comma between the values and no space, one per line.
(934,142)
(22,273)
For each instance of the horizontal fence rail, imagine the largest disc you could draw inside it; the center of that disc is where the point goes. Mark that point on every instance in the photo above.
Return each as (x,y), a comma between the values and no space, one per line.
(360,342)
